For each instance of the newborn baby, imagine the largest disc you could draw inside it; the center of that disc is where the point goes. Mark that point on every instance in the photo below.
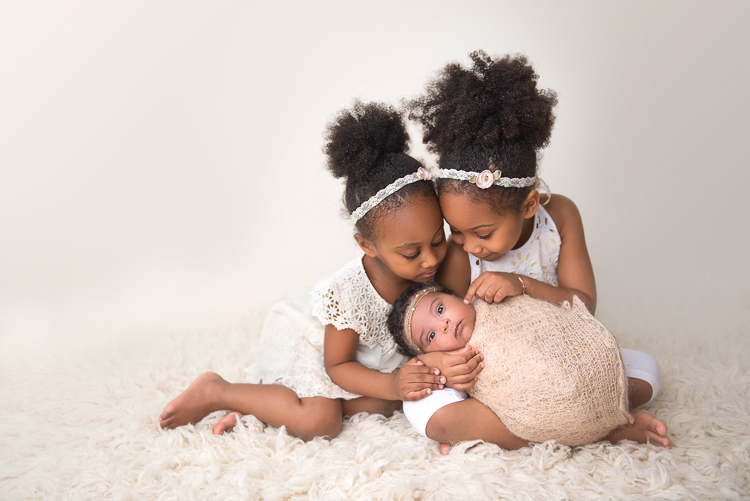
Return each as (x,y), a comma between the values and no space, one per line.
(551,372)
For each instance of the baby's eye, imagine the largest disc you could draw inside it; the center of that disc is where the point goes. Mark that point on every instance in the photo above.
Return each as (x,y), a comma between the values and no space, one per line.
(440,310)
(431,336)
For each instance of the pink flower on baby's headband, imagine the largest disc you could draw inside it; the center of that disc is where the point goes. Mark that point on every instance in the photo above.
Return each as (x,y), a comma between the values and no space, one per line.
(485,179)
(424,174)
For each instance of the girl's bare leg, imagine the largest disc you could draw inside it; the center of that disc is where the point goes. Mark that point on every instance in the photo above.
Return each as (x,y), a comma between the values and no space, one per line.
(470,419)
(371,405)
(273,404)
(350,407)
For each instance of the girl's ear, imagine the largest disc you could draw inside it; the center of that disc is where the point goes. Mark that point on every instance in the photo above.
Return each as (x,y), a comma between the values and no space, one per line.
(531,204)
(365,244)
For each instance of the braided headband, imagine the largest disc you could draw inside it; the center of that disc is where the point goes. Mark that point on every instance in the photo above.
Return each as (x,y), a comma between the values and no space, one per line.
(410,311)
(422,174)
(486,178)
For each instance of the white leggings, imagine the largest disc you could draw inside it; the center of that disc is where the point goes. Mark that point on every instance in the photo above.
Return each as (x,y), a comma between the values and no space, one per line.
(638,365)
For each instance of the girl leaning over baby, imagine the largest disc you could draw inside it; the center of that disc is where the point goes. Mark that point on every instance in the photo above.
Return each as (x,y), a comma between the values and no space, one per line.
(296,382)
(487,124)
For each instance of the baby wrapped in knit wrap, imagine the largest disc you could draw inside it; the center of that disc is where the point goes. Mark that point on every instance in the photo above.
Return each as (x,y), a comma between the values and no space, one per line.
(551,372)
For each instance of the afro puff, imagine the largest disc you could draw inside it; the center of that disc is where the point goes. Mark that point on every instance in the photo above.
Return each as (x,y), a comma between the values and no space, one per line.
(489,116)
(366,145)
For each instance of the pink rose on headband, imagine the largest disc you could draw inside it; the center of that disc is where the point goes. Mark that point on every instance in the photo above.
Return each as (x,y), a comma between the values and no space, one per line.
(424,174)
(485,179)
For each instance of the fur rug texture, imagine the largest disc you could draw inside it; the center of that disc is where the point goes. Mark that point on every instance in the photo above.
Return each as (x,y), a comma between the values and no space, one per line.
(80,424)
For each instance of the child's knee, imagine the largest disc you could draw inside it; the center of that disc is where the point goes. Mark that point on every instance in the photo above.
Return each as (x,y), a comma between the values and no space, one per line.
(324,425)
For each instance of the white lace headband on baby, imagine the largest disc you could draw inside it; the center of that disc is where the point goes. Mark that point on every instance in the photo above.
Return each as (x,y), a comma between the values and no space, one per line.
(422,174)
(410,312)
(486,178)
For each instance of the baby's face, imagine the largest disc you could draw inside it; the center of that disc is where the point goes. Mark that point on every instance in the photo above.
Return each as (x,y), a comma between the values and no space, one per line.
(442,322)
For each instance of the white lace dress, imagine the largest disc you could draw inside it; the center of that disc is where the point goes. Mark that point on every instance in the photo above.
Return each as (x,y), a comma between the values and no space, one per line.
(291,345)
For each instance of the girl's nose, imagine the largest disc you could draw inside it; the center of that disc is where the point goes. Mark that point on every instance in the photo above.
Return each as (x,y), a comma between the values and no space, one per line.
(472,247)
(430,260)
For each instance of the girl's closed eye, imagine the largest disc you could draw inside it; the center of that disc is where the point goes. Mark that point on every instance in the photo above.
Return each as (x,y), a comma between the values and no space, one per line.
(485,237)
(441,241)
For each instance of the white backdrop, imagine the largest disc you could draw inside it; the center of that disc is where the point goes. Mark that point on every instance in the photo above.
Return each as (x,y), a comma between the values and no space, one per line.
(161,163)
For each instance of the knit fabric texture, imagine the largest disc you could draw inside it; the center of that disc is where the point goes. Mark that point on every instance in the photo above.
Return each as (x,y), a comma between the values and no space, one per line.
(551,372)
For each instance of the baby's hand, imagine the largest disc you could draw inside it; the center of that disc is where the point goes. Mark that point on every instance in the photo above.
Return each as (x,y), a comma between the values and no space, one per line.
(494,286)
(416,381)
(460,367)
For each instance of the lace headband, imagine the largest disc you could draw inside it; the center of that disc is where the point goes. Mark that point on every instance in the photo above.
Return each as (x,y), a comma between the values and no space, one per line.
(422,174)
(410,311)
(486,178)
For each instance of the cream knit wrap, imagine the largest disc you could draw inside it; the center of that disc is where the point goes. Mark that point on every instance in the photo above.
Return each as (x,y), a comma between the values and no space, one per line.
(551,372)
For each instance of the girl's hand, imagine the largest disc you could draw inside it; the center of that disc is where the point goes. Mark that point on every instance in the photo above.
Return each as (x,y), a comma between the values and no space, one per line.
(494,286)
(460,367)
(415,381)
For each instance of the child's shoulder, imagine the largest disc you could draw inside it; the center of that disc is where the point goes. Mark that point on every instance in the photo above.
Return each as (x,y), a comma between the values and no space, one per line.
(563,212)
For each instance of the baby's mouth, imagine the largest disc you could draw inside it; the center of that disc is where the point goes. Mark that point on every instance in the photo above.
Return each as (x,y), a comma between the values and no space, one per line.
(458,328)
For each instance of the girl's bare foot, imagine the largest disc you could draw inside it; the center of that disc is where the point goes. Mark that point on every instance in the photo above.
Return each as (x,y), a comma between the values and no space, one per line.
(200,399)
(227,423)
(645,429)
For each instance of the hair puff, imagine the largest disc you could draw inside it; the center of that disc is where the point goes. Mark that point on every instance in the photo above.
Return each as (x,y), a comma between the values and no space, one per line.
(366,145)
(359,138)
(490,103)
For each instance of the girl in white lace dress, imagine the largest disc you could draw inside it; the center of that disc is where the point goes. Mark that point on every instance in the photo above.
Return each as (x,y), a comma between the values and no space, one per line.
(393,204)
(487,123)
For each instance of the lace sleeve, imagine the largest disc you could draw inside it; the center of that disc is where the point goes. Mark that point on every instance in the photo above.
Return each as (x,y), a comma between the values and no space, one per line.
(329,307)
(348,301)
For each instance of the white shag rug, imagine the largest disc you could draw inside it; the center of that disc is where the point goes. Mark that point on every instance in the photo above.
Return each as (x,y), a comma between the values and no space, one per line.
(81,425)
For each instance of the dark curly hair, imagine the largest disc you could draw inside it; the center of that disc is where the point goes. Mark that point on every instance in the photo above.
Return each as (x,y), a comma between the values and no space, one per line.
(397,316)
(366,145)
(490,116)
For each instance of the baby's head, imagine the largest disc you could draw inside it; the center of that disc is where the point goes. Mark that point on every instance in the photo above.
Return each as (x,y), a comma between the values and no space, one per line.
(427,317)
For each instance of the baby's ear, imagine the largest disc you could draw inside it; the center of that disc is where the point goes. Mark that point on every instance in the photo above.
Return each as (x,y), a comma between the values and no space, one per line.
(531,204)
(366,245)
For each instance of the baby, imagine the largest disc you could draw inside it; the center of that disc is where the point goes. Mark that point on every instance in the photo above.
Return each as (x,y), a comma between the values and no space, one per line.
(551,372)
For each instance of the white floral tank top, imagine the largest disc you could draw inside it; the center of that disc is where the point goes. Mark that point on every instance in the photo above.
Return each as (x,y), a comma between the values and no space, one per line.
(537,258)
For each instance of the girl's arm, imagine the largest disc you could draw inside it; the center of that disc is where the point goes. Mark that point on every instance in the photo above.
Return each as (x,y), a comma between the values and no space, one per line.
(412,382)
(575,274)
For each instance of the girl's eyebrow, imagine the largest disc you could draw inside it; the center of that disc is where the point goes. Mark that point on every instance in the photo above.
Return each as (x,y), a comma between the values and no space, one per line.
(407,245)
(480,226)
